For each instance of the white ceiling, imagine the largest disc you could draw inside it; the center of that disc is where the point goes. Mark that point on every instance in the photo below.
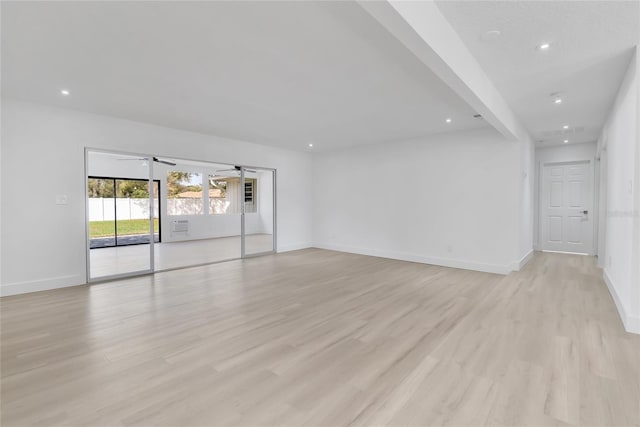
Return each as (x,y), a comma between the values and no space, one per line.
(277,73)
(591,45)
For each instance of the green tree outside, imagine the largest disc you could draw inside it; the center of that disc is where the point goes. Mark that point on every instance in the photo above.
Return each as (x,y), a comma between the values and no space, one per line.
(178,182)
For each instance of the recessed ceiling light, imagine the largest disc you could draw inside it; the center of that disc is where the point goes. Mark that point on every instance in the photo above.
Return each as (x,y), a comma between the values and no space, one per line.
(544,46)
(557,101)
(64,92)
(491,35)
(310,145)
(566,141)
(448,120)
(565,127)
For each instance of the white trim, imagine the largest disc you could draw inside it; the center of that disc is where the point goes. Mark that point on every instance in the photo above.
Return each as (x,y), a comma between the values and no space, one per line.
(294,247)
(566,162)
(631,323)
(566,252)
(78,279)
(404,256)
(41,285)
(517,265)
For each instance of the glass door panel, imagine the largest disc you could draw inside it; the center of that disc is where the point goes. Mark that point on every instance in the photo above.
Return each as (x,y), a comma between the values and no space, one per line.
(132,212)
(101,211)
(259,211)
(119,203)
(156,211)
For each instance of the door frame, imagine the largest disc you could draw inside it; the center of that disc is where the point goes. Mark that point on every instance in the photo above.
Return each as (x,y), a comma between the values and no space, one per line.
(594,201)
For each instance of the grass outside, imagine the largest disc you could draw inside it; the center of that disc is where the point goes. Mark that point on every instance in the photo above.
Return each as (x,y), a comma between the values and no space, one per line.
(125,227)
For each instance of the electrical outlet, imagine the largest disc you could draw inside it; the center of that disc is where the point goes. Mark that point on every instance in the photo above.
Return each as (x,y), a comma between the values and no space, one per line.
(449,248)
(62,199)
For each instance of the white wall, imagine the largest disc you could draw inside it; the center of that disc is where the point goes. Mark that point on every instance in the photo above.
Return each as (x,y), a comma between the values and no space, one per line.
(452,199)
(527,201)
(559,153)
(455,199)
(43,153)
(619,149)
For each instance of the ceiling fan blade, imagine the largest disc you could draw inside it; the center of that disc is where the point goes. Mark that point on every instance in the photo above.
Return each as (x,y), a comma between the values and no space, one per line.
(166,162)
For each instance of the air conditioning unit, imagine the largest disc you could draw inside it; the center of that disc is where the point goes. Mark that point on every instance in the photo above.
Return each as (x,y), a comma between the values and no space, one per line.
(180,226)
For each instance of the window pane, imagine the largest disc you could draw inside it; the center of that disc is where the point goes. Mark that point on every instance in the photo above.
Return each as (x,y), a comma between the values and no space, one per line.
(250,191)
(184,193)
(224,195)
(218,203)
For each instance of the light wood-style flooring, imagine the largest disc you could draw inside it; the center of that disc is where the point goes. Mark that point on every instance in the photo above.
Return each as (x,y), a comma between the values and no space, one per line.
(316,337)
(168,255)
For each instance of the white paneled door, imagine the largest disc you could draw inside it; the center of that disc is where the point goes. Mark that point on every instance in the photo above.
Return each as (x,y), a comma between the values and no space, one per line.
(566,207)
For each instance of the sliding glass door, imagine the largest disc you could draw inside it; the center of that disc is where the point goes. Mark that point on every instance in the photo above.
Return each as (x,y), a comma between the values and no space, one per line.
(122,214)
(258,214)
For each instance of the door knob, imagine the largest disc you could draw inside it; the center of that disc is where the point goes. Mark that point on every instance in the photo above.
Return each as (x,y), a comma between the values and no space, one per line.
(585,212)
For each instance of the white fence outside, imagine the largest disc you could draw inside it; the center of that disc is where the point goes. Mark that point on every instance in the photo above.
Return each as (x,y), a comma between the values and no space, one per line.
(104,209)
(184,206)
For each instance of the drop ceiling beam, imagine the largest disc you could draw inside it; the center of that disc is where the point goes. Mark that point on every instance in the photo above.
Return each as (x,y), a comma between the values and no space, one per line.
(422,28)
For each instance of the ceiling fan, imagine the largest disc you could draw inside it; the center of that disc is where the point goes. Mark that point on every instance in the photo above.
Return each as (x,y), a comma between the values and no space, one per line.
(236,169)
(155,159)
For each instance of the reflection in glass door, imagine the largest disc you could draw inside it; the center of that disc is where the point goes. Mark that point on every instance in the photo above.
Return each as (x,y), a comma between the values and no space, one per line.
(119,214)
(258,214)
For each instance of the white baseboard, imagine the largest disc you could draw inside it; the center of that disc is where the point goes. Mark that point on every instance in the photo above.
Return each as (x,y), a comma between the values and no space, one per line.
(294,247)
(517,266)
(41,285)
(631,323)
(403,256)
(75,280)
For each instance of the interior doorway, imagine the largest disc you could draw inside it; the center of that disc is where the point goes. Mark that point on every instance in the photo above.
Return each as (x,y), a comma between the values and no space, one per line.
(566,207)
